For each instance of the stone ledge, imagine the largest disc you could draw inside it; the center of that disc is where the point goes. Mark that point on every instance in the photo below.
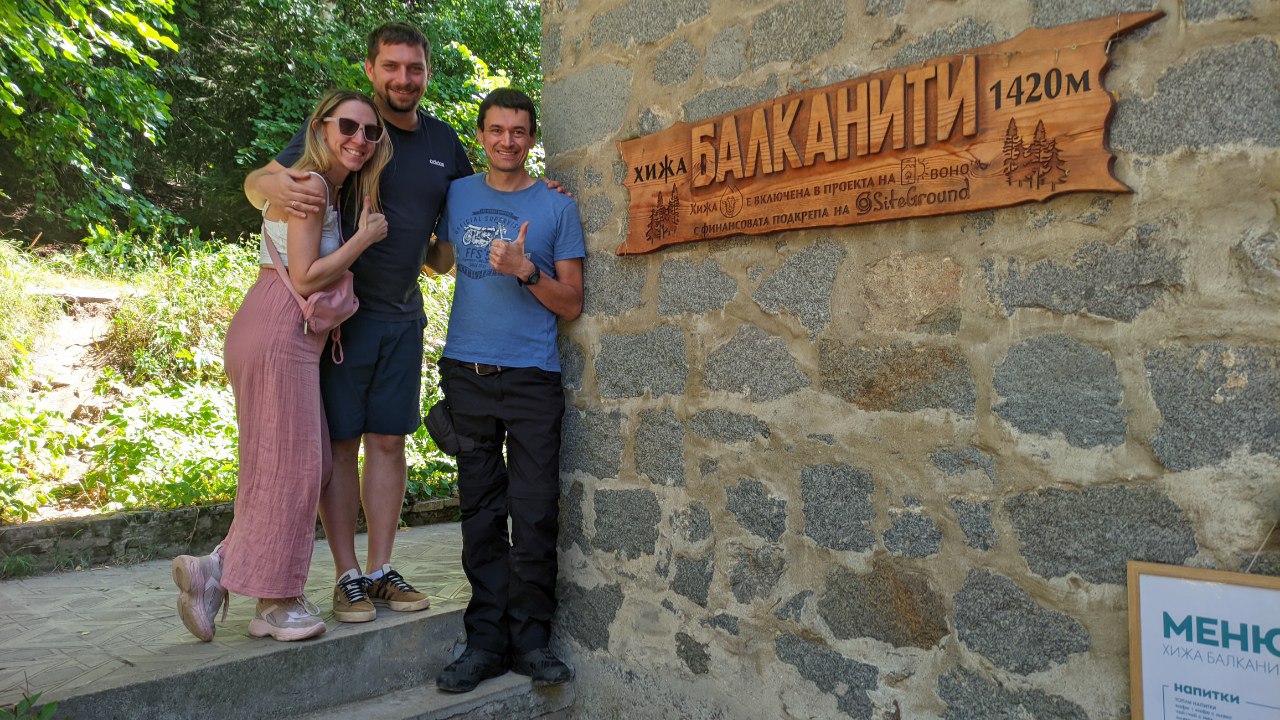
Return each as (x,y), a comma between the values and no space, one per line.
(135,536)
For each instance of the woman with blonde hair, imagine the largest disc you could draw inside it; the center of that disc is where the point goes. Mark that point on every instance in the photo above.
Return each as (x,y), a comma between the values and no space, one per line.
(273,362)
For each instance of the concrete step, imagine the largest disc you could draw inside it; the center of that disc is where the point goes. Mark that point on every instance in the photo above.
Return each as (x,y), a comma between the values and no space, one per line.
(509,697)
(107,643)
(287,679)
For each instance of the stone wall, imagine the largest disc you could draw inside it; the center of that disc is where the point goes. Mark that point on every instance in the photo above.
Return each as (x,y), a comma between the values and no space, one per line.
(127,537)
(896,471)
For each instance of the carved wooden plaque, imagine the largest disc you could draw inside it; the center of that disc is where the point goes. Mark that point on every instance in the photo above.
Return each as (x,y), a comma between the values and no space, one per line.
(1000,125)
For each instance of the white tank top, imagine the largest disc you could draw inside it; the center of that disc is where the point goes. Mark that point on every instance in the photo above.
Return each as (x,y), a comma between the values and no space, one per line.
(330,232)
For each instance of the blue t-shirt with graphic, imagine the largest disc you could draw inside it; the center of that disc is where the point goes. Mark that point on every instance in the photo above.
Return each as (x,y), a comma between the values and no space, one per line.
(494,320)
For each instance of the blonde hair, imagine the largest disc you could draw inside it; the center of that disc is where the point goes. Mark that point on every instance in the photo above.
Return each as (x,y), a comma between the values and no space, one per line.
(316,156)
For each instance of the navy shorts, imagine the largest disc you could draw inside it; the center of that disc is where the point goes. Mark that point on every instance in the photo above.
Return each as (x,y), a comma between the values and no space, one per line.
(377,387)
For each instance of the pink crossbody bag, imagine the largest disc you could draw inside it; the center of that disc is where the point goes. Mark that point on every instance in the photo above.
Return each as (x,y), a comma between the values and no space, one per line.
(325,309)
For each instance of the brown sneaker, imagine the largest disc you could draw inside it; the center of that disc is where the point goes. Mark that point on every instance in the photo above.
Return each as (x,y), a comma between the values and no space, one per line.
(351,598)
(391,590)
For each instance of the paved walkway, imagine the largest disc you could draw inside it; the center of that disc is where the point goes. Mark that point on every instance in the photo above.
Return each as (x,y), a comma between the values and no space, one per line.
(71,631)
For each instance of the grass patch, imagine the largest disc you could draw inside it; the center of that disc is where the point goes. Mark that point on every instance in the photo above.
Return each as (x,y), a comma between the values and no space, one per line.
(172,330)
(168,435)
(17,566)
(24,318)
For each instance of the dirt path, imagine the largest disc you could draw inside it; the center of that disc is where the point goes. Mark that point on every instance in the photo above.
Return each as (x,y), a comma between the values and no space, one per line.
(64,370)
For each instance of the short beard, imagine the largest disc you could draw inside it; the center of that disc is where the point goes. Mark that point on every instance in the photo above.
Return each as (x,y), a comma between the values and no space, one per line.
(406,108)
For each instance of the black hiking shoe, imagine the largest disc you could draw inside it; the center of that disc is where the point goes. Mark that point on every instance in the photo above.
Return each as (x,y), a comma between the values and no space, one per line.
(543,666)
(465,673)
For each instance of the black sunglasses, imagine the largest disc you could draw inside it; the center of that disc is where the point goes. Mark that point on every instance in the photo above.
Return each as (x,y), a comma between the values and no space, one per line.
(348,128)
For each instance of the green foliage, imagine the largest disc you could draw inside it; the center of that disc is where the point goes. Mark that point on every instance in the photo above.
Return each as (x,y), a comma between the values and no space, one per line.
(431,472)
(173,330)
(109,122)
(112,250)
(163,447)
(24,318)
(77,94)
(248,74)
(16,566)
(34,444)
(29,708)
(169,436)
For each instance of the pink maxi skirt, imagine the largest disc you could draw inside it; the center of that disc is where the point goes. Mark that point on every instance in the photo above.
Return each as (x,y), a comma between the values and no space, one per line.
(284,443)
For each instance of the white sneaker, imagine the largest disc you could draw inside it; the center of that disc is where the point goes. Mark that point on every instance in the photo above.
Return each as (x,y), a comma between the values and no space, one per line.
(200,592)
(286,620)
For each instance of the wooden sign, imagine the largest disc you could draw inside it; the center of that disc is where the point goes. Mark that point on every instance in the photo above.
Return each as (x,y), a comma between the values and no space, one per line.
(1000,125)
(1203,644)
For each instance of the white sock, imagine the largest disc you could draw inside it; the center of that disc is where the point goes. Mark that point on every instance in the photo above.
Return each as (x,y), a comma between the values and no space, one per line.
(376,574)
(352,573)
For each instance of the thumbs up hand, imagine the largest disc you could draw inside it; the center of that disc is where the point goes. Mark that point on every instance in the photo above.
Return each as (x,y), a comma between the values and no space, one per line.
(508,258)
(373,224)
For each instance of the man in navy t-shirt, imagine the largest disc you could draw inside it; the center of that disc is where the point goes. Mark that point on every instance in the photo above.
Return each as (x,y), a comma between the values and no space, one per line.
(519,250)
(374,394)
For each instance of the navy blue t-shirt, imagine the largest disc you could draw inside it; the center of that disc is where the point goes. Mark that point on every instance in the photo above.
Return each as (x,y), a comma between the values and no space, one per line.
(414,186)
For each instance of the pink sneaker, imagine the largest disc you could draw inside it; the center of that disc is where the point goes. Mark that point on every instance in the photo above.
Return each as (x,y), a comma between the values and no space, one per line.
(286,620)
(200,592)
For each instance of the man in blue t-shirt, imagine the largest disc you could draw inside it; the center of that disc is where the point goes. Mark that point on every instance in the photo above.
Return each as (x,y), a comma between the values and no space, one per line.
(374,394)
(519,251)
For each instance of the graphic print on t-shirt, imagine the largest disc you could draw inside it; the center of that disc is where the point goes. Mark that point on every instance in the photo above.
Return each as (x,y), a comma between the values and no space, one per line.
(475,233)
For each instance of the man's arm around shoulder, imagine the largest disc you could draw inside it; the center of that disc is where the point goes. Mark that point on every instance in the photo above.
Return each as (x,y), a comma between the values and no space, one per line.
(284,188)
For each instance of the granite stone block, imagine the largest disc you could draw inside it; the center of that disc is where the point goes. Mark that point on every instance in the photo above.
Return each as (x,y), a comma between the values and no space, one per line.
(572,362)
(676,64)
(652,362)
(1206,102)
(756,364)
(693,653)
(596,212)
(1000,621)
(692,524)
(573,528)
(969,696)
(975,521)
(659,447)
(958,461)
(719,100)
(1051,13)
(1214,400)
(848,680)
(584,108)
(640,22)
(627,522)
(913,535)
(728,427)
(588,613)
(725,622)
(1055,383)
(802,286)
(693,578)
(591,442)
(903,377)
(689,287)
(726,55)
(756,572)
(1094,532)
(895,606)
(965,34)
(837,507)
(612,285)
(795,31)
(757,510)
(1117,282)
